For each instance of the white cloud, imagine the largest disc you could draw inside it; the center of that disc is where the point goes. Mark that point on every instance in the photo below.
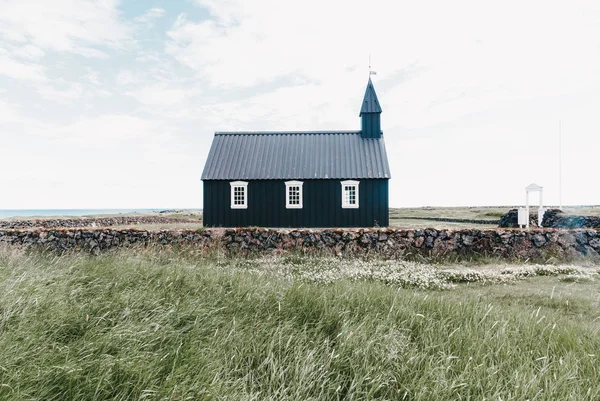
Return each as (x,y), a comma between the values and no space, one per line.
(64,25)
(92,76)
(299,107)
(8,113)
(256,41)
(101,162)
(468,83)
(271,39)
(101,132)
(90,52)
(61,91)
(87,87)
(127,78)
(150,15)
(159,95)
(20,70)
(29,52)
(464,87)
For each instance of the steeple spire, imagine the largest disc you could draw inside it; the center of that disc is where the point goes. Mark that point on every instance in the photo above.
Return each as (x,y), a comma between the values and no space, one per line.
(370,102)
(370,113)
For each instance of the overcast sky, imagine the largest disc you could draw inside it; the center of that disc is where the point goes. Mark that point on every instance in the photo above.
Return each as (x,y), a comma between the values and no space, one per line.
(113,104)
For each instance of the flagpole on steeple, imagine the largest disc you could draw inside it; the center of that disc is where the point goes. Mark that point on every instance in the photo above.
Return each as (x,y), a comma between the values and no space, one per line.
(371,72)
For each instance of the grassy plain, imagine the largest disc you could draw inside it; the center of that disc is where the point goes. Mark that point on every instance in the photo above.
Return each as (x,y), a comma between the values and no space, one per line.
(480,212)
(155,324)
(405,217)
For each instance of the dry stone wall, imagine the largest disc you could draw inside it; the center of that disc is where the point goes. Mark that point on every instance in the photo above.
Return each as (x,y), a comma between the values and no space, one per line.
(538,244)
(555,218)
(511,219)
(91,222)
(97,240)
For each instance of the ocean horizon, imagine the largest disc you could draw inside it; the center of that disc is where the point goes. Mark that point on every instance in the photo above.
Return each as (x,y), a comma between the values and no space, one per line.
(6,213)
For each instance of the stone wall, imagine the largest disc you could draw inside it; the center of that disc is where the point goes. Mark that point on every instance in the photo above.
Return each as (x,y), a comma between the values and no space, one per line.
(91,222)
(96,240)
(538,244)
(555,218)
(511,219)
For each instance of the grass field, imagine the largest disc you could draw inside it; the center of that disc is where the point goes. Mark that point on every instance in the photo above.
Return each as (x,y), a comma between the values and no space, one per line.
(407,218)
(404,217)
(480,212)
(161,325)
(474,213)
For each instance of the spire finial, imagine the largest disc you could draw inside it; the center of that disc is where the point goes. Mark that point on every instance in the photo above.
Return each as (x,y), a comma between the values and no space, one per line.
(371,72)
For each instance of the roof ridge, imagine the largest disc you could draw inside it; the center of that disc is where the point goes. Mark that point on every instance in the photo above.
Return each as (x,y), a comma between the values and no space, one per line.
(343,132)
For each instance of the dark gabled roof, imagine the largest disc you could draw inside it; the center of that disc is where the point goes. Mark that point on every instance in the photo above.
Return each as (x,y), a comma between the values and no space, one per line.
(370,102)
(295,155)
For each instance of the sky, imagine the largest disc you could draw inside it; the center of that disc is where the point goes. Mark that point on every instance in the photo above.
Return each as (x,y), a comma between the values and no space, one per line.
(113,104)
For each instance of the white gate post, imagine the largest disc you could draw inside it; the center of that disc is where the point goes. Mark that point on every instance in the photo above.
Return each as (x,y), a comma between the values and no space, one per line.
(535,188)
(541,209)
(527,206)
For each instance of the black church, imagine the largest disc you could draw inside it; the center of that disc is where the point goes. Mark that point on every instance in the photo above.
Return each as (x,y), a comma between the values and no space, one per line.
(300,179)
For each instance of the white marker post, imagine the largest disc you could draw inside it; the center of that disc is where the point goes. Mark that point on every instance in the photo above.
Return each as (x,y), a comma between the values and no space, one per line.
(522,217)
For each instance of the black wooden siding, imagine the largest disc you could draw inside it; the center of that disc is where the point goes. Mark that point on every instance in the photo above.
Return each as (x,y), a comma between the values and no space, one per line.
(322,205)
(371,125)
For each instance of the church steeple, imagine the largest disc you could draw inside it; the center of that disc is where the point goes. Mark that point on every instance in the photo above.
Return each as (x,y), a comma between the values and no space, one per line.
(370,113)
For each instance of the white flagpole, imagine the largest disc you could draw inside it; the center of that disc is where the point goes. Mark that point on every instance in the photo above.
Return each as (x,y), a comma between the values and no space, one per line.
(560,165)
(371,72)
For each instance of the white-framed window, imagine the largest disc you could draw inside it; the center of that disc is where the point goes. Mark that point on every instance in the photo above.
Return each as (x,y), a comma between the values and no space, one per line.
(293,194)
(239,195)
(350,194)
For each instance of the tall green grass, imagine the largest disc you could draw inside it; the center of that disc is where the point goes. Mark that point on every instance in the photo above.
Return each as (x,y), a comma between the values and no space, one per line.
(159,325)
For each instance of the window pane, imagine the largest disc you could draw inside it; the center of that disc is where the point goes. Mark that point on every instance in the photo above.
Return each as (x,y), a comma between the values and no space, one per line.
(350,194)
(294,195)
(239,195)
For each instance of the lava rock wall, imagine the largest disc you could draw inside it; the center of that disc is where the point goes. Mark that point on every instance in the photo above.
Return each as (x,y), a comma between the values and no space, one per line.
(537,244)
(91,222)
(555,218)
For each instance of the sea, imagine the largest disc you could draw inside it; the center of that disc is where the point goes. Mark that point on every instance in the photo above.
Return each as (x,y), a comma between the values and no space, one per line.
(6,213)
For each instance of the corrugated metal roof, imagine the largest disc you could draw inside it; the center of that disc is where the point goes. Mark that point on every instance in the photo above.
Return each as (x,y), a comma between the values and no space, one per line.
(370,102)
(295,155)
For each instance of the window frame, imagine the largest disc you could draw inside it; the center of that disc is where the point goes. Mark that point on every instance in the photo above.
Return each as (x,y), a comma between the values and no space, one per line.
(239,184)
(355,184)
(288,185)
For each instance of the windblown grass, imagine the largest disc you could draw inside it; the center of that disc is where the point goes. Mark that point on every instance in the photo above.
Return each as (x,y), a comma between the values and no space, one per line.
(160,325)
